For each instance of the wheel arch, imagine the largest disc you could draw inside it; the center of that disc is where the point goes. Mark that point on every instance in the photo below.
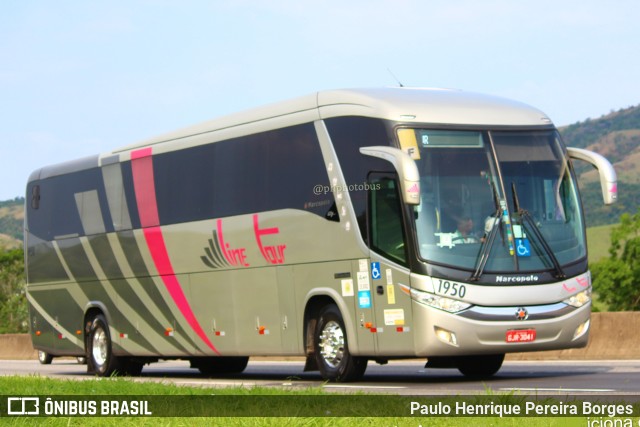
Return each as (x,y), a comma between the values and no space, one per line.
(91,310)
(315,301)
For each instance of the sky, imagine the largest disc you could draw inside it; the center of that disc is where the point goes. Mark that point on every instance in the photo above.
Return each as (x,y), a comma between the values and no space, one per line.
(78,78)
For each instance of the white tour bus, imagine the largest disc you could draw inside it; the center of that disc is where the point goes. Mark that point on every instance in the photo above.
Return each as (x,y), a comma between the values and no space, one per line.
(344,226)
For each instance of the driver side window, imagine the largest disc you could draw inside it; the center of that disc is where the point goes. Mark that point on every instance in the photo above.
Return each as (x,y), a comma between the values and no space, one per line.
(385,219)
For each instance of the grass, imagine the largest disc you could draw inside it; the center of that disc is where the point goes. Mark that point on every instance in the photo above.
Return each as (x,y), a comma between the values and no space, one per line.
(280,399)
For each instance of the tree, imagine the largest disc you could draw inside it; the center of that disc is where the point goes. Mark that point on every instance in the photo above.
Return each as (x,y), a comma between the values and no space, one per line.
(617,278)
(13,302)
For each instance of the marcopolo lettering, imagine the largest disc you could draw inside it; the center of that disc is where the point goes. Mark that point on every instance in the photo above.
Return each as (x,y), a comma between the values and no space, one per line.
(517,279)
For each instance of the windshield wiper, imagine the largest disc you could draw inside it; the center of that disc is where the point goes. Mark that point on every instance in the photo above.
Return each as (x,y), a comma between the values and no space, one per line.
(488,242)
(486,247)
(526,217)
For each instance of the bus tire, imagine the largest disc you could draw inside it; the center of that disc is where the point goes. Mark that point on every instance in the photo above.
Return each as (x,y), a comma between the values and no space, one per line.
(210,366)
(44,357)
(100,358)
(331,348)
(481,366)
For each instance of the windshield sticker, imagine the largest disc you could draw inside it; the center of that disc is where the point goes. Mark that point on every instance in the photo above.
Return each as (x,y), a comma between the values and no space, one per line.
(446,239)
(408,143)
(523,247)
(518,232)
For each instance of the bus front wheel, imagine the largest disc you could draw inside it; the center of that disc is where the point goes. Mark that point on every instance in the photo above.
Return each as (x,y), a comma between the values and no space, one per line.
(481,366)
(331,348)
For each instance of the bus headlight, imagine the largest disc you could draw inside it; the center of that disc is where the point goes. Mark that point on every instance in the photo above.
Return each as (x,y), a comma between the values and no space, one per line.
(439,302)
(579,299)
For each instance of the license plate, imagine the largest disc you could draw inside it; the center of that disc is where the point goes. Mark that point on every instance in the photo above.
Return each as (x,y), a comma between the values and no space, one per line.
(521,335)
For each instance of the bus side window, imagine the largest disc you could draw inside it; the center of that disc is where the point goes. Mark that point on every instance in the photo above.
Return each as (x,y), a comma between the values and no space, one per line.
(385,219)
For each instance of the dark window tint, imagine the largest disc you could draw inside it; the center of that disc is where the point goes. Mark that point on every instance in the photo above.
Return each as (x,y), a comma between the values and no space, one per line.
(387,236)
(272,170)
(56,212)
(348,134)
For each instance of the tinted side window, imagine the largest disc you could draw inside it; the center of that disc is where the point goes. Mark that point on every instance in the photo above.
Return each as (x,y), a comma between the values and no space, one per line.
(56,212)
(348,134)
(387,235)
(273,170)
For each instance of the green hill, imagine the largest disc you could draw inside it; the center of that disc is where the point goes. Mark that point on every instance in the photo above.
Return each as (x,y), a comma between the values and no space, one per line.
(617,137)
(11,219)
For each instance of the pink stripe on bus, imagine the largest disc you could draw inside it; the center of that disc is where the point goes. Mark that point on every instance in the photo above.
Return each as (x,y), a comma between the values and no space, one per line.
(144,187)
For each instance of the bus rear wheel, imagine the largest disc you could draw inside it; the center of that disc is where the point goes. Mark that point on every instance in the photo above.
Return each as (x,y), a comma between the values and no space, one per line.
(44,357)
(481,366)
(100,358)
(331,348)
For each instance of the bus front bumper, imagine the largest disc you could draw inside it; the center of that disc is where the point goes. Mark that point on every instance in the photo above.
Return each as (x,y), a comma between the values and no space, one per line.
(500,330)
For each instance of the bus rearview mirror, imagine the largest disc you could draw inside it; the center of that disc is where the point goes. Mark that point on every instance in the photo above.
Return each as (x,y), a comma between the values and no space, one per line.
(405,167)
(608,178)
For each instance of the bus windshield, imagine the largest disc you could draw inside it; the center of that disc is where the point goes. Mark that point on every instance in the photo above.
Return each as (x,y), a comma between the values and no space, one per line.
(505,197)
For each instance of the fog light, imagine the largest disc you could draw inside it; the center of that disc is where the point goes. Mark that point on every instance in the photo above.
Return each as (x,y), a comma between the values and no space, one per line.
(581,330)
(446,337)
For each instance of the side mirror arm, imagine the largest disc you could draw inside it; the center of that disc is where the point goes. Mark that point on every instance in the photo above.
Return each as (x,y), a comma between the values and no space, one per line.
(405,167)
(608,178)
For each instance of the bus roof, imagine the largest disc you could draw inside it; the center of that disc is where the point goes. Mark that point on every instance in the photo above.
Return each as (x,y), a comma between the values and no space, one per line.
(418,105)
(407,105)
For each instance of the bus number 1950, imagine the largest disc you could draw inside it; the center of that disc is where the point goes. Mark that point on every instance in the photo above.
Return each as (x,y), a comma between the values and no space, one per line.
(445,287)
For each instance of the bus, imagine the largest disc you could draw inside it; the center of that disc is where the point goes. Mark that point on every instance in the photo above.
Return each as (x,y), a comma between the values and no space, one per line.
(343,227)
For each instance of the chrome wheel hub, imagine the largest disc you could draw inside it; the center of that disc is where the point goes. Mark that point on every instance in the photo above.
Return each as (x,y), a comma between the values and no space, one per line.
(99,347)
(332,344)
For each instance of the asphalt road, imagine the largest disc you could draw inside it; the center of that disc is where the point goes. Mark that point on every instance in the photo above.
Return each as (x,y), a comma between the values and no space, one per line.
(401,377)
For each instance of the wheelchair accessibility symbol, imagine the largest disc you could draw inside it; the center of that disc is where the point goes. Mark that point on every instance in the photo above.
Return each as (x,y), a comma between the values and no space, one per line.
(523,247)
(375,271)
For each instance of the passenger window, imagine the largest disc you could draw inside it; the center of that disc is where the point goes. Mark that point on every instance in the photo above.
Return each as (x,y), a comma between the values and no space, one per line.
(385,219)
